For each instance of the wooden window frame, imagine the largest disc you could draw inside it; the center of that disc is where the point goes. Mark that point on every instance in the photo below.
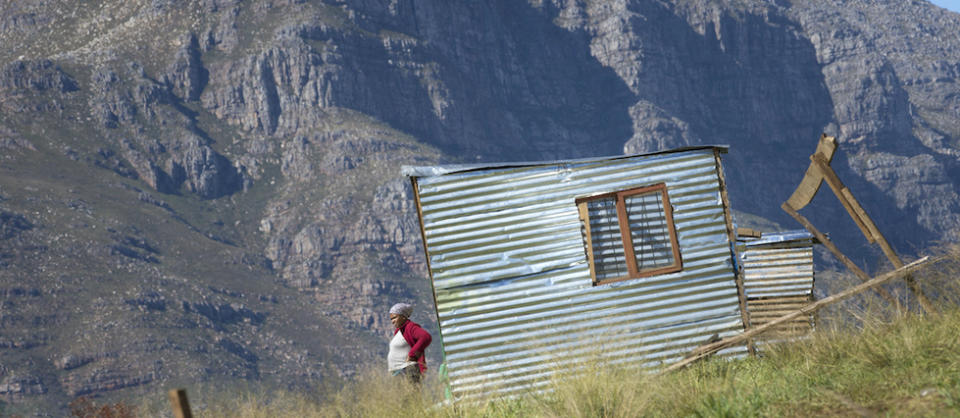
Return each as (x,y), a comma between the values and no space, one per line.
(633,272)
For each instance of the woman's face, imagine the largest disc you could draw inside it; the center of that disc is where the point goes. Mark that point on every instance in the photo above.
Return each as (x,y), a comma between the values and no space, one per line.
(397,320)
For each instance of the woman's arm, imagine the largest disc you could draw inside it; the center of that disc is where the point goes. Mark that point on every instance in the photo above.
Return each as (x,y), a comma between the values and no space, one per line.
(421,339)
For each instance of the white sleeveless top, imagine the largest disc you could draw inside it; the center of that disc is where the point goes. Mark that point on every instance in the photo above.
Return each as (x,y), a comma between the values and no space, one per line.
(399,352)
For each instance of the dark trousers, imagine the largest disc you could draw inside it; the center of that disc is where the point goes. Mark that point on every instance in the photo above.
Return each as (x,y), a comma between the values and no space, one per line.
(411,373)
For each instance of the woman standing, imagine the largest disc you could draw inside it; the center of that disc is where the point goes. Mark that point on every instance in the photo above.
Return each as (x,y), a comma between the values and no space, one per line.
(406,357)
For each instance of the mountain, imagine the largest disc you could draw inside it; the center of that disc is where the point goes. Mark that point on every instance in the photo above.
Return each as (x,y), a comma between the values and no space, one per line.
(208,191)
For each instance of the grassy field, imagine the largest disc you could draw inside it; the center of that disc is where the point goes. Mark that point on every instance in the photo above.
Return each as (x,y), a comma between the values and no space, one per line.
(907,367)
(874,362)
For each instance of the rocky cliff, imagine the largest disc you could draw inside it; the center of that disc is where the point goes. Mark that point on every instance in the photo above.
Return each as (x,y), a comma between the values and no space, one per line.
(208,190)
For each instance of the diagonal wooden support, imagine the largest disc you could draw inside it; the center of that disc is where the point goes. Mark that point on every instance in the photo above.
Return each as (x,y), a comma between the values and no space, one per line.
(871,232)
(819,172)
(862,275)
(709,349)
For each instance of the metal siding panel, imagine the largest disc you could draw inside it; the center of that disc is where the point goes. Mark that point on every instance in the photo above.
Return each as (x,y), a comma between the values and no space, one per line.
(778,271)
(514,294)
(778,278)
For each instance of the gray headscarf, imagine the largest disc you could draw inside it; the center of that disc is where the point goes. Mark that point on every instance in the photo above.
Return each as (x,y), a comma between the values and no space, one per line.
(404,309)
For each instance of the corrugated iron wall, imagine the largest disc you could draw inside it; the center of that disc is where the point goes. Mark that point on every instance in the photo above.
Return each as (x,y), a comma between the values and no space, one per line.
(515,300)
(778,279)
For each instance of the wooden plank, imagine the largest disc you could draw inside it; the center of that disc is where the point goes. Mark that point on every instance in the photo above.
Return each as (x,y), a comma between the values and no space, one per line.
(763,305)
(807,188)
(778,310)
(732,236)
(888,251)
(786,329)
(812,179)
(874,233)
(754,310)
(767,313)
(837,186)
(836,253)
(179,403)
(672,229)
(749,233)
(768,306)
(802,321)
(870,229)
(807,310)
(585,218)
(790,307)
(626,238)
(426,253)
(779,300)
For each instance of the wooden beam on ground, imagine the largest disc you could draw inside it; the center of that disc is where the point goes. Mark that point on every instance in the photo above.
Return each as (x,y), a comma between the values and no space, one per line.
(807,310)
(862,275)
(179,403)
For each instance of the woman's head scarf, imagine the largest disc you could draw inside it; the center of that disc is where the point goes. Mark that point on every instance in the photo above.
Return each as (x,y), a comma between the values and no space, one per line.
(404,309)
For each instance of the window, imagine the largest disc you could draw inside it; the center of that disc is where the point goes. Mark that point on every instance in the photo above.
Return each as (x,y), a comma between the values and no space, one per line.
(629,234)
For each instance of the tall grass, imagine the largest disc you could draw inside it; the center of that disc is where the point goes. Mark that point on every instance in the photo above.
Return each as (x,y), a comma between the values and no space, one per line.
(883,363)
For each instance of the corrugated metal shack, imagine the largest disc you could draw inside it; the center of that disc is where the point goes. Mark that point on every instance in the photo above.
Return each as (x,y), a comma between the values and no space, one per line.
(778,279)
(538,267)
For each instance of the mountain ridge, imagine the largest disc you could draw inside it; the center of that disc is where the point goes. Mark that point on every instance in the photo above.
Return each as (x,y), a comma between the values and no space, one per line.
(231,169)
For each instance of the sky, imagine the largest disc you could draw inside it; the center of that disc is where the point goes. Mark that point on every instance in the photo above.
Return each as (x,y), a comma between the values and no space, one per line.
(948,4)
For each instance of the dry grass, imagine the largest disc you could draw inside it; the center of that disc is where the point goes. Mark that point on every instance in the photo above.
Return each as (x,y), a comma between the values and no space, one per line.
(877,363)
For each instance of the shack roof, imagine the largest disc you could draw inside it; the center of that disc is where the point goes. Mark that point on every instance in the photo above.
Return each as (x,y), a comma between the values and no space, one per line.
(770,238)
(439,170)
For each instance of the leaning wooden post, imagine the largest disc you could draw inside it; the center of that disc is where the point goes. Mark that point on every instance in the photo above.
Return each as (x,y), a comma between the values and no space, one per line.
(818,172)
(806,310)
(179,403)
(732,236)
(870,229)
(863,276)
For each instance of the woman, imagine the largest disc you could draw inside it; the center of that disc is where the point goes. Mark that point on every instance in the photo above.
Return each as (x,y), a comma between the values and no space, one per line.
(405,357)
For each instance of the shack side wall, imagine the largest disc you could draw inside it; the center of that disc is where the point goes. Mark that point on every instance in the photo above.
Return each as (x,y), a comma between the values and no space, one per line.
(512,285)
(778,279)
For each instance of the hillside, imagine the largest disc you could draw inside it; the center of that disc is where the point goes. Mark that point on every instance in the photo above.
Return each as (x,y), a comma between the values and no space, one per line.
(208,191)
(898,369)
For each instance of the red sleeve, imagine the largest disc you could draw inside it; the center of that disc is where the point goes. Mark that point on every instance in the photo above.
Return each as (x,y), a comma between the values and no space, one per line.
(421,339)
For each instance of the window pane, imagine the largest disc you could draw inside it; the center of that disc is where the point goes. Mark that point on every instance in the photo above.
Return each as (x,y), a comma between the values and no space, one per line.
(649,231)
(608,258)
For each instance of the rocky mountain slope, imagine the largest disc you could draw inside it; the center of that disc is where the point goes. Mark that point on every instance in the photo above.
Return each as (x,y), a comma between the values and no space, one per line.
(204,191)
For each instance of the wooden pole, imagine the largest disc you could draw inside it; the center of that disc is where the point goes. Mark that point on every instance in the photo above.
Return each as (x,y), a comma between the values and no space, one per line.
(863,276)
(806,310)
(732,236)
(179,403)
(870,229)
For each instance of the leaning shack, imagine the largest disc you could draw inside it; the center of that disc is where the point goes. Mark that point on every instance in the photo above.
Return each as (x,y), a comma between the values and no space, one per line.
(538,267)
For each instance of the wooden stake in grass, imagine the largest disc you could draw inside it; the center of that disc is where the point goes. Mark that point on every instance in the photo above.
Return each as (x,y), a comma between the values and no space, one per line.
(179,403)
(806,310)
